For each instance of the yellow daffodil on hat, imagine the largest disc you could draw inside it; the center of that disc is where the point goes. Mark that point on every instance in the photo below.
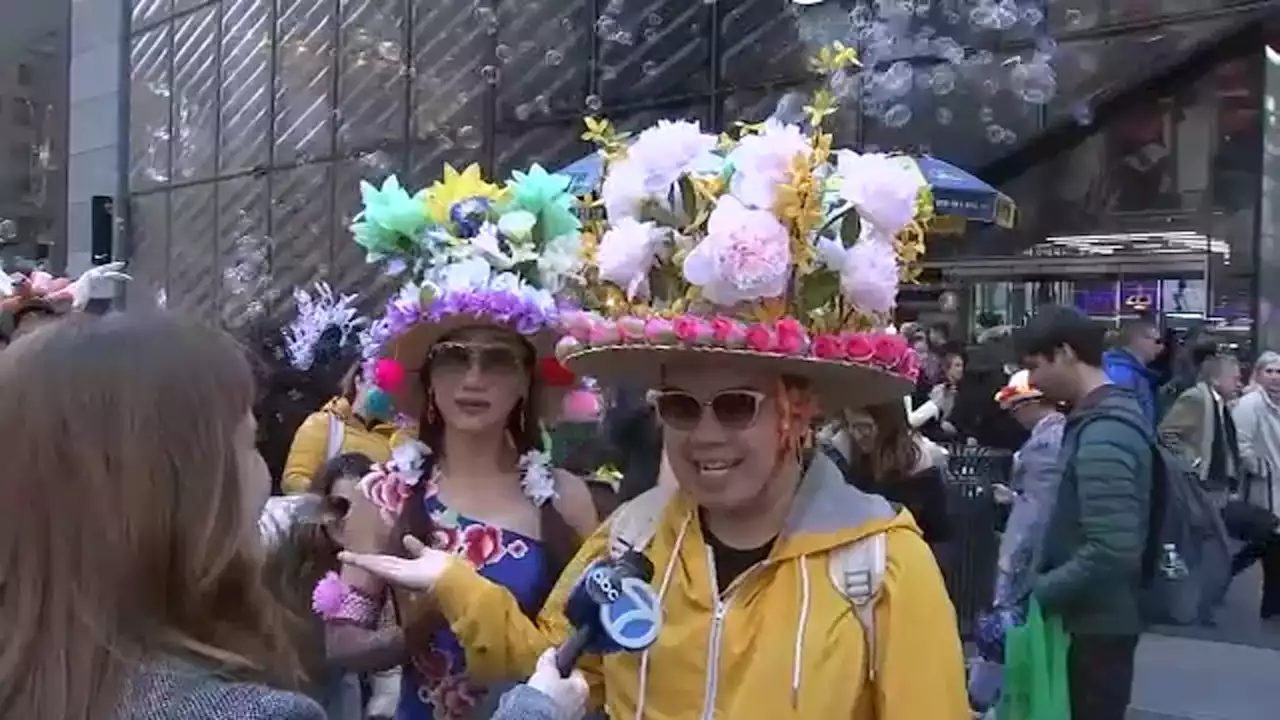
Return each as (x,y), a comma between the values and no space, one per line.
(761,247)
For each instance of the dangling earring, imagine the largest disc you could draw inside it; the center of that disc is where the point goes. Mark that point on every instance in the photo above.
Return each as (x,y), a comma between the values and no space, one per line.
(520,409)
(431,410)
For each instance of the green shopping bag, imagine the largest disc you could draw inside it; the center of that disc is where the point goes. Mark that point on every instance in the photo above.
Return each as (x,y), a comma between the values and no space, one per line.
(1036,686)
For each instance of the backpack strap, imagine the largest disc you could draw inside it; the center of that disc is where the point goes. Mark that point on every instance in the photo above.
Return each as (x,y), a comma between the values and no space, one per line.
(857,571)
(636,521)
(337,433)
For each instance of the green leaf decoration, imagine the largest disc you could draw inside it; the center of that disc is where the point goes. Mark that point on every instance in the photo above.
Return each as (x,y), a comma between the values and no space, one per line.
(850,229)
(688,199)
(652,211)
(820,288)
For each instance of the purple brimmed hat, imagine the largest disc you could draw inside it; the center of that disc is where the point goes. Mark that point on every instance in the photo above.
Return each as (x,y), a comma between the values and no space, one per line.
(476,255)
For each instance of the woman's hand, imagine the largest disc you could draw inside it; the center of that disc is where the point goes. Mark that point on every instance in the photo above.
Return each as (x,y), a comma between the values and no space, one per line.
(569,694)
(420,572)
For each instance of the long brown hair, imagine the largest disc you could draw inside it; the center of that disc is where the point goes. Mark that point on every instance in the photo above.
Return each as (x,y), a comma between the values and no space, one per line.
(123,515)
(895,453)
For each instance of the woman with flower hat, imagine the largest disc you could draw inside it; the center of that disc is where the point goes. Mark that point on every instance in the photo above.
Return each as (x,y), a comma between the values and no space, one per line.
(458,353)
(746,294)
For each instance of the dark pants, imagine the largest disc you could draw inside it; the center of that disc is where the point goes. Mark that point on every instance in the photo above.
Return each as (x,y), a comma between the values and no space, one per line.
(1100,668)
(1269,553)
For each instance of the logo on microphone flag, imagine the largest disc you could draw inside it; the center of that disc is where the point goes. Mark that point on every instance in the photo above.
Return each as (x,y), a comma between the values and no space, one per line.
(635,618)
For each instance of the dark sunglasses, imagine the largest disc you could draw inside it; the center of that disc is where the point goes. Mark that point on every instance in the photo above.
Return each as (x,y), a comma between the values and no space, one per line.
(732,409)
(458,358)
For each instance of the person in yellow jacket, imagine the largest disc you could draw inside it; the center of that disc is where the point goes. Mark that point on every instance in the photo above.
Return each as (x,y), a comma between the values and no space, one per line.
(322,340)
(784,591)
(341,426)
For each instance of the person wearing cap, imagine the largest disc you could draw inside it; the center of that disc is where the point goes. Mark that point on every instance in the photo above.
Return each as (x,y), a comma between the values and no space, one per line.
(785,592)
(1032,492)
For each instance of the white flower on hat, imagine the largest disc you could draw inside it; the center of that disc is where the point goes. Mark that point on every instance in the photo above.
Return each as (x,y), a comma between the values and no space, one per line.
(654,162)
(763,162)
(882,188)
(626,253)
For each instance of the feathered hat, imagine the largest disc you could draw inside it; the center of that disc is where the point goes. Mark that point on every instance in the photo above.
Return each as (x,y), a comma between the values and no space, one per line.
(473,254)
(761,248)
(325,328)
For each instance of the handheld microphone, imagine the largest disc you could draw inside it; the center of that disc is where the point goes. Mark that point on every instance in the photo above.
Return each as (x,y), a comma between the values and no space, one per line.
(612,609)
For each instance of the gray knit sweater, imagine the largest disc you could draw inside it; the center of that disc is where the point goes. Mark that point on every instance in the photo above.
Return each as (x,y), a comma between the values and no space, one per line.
(524,703)
(172,690)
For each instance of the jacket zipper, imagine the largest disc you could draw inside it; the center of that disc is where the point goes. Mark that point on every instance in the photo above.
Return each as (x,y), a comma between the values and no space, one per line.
(720,608)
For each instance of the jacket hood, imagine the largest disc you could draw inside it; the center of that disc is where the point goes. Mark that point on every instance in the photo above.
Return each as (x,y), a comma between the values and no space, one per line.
(1121,356)
(827,513)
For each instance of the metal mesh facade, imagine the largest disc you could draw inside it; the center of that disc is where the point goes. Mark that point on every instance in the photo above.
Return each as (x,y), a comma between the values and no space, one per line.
(253,121)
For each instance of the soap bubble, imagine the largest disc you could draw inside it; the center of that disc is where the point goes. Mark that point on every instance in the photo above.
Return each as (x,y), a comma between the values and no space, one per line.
(490,74)
(1034,82)
(469,137)
(897,116)
(553,57)
(943,116)
(594,103)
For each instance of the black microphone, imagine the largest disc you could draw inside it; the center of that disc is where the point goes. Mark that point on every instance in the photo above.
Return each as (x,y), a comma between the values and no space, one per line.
(612,609)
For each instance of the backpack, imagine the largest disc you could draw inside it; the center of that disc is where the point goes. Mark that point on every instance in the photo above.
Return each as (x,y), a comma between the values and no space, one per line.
(856,569)
(337,435)
(1186,560)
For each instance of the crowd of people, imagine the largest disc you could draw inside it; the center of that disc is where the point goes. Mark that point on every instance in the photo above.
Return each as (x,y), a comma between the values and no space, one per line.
(723,402)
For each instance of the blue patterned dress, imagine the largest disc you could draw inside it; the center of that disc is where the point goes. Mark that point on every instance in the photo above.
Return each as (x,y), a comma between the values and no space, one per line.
(435,684)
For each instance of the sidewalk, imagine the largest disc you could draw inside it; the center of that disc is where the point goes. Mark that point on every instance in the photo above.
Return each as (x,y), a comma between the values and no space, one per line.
(1231,672)
(1188,679)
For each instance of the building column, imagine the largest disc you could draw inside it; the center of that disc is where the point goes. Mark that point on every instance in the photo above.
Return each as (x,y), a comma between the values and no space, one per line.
(95,145)
(1268,261)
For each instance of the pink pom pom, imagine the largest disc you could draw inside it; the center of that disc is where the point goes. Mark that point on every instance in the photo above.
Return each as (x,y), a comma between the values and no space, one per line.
(388,375)
(581,406)
(326,599)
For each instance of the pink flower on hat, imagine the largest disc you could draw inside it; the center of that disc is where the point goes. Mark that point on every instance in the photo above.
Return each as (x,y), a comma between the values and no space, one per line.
(727,332)
(745,256)
(828,347)
(792,338)
(659,331)
(688,329)
(631,329)
(888,350)
(759,338)
(858,348)
(910,365)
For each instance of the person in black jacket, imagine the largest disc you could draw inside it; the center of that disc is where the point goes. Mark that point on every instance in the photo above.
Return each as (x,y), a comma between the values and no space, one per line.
(880,453)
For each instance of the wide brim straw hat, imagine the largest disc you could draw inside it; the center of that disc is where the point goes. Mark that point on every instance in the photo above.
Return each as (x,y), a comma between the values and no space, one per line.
(837,383)
(474,255)
(734,263)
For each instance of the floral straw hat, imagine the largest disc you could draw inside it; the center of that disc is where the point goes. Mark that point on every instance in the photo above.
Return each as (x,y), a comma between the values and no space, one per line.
(474,254)
(767,248)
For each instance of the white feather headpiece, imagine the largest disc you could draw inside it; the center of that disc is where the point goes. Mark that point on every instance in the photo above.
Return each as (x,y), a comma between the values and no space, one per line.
(316,315)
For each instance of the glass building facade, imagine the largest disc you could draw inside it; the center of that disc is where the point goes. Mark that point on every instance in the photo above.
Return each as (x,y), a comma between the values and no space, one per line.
(250,124)
(33,132)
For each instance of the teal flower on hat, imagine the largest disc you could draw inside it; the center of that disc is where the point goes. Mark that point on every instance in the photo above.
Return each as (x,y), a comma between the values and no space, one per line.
(545,195)
(391,220)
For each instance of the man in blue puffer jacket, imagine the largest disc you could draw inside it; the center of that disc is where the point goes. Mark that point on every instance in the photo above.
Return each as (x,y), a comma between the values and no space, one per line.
(1126,364)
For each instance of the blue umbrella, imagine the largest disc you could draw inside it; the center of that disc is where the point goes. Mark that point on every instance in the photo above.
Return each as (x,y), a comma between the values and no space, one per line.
(586,172)
(957,193)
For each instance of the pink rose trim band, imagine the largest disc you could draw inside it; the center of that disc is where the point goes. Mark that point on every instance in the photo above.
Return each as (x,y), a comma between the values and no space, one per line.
(787,336)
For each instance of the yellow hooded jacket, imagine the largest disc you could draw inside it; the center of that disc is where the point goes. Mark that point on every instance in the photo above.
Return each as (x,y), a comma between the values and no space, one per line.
(780,642)
(310,449)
